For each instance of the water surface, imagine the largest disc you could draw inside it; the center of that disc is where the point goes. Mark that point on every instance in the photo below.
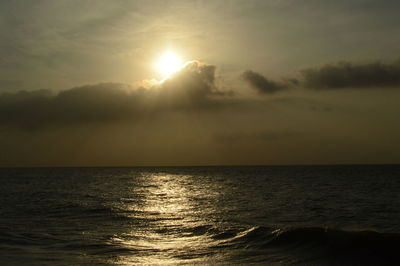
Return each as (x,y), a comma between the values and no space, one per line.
(298,215)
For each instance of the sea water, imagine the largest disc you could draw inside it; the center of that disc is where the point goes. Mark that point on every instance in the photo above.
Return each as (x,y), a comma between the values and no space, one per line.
(272,215)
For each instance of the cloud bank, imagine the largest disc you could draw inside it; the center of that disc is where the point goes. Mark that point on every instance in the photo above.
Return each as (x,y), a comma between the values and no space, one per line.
(348,75)
(192,88)
(188,119)
(261,84)
(342,75)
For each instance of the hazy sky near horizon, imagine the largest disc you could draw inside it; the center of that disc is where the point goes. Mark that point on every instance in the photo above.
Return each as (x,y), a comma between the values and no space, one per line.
(267,82)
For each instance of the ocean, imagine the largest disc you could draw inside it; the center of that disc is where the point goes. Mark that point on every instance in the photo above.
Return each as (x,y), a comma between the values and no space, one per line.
(250,215)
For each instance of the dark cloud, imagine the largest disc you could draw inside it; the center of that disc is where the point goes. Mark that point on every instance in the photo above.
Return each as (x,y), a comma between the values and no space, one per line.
(194,83)
(348,75)
(193,87)
(332,76)
(92,103)
(260,83)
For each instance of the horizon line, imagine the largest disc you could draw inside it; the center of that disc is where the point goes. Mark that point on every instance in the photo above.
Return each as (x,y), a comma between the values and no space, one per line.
(204,165)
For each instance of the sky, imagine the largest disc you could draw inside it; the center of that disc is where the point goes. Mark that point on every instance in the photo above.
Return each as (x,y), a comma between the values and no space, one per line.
(260,82)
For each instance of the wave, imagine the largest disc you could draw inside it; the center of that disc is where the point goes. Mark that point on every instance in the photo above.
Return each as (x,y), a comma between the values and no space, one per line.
(320,245)
(259,245)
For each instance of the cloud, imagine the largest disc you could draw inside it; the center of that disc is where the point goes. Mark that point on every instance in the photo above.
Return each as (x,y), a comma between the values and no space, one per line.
(331,76)
(195,82)
(348,75)
(260,83)
(193,87)
(91,103)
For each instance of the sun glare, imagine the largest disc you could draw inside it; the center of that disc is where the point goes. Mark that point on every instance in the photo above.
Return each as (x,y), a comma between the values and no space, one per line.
(168,64)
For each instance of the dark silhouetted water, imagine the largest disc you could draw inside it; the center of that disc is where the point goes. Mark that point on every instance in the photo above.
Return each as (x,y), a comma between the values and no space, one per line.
(299,215)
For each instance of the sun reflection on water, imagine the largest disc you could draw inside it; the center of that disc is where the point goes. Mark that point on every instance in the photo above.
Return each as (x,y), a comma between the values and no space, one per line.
(165,221)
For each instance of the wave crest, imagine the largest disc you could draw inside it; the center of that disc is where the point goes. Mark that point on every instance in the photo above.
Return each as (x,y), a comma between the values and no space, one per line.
(321,245)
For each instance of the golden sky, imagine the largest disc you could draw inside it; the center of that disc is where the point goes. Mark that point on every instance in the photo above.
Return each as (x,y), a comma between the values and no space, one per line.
(199,82)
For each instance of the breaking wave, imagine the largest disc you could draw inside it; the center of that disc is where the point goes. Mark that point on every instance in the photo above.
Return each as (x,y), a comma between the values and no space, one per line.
(319,245)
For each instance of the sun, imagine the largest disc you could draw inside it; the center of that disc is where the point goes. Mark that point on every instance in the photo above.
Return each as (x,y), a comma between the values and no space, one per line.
(168,64)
